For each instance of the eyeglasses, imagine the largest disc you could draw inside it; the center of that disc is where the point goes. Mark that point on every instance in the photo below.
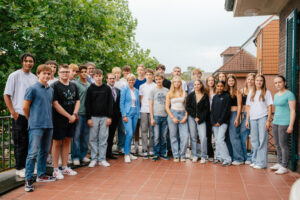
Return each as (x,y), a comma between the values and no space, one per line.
(111,78)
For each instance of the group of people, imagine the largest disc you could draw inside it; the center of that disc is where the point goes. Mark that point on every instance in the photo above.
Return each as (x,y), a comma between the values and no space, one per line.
(50,113)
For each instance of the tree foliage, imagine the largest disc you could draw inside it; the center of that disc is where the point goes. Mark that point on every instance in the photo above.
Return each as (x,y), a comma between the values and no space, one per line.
(69,31)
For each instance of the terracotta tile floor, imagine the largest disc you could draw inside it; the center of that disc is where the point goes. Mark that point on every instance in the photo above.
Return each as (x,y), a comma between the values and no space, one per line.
(145,179)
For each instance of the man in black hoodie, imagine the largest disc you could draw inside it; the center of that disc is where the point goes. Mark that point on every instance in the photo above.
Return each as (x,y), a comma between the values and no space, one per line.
(99,111)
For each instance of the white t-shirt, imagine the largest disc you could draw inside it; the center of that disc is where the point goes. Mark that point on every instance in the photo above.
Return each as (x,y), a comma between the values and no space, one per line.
(145,90)
(133,98)
(52,81)
(121,83)
(258,108)
(15,87)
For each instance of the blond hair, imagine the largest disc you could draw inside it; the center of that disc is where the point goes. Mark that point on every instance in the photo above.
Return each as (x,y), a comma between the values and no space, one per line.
(172,89)
(246,91)
(116,70)
(74,67)
(130,76)
(263,89)
(207,87)
(42,68)
(196,70)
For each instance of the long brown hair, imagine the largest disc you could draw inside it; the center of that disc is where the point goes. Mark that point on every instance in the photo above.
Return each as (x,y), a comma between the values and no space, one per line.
(232,90)
(246,91)
(263,89)
(172,89)
(218,78)
(202,90)
(207,87)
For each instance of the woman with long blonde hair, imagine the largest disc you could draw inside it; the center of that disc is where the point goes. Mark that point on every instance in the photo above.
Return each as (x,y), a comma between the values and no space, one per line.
(260,111)
(177,119)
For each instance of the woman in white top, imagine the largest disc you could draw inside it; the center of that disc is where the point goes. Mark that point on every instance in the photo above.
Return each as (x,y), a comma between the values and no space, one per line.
(211,91)
(177,119)
(260,103)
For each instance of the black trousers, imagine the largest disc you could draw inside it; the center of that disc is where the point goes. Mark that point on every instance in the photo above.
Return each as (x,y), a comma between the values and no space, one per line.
(111,135)
(20,138)
(210,150)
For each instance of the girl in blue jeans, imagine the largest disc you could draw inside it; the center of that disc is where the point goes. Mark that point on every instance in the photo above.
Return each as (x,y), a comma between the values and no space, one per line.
(219,118)
(130,110)
(177,117)
(197,106)
(260,109)
(234,124)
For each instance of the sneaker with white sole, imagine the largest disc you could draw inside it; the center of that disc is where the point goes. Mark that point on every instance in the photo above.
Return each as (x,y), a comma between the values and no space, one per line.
(21,173)
(276,166)
(76,162)
(104,163)
(176,159)
(203,160)
(92,163)
(282,170)
(85,159)
(182,159)
(127,158)
(45,178)
(247,162)
(132,157)
(195,159)
(257,167)
(237,163)
(29,186)
(69,171)
(252,165)
(145,155)
(151,154)
(57,174)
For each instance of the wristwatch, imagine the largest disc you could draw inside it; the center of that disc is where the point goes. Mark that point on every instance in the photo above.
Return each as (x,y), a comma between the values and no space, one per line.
(75,114)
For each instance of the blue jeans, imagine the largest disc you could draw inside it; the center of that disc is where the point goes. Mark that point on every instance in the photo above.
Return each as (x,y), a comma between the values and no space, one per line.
(201,130)
(160,135)
(98,138)
(235,139)
(259,141)
(244,134)
(39,144)
(130,126)
(183,134)
(121,135)
(222,152)
(81,139)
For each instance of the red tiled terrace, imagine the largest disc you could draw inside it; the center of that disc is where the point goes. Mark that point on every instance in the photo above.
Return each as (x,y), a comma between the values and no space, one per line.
(164,180)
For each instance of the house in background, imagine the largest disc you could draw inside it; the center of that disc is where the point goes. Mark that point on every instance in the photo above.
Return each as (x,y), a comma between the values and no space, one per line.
(239,62)
(289,51)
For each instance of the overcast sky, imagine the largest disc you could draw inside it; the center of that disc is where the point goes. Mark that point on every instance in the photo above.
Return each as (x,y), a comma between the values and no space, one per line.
(189,32)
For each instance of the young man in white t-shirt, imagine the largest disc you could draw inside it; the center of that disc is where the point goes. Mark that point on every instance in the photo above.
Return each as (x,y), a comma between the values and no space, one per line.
(177,72)
(14,92)
(145,90)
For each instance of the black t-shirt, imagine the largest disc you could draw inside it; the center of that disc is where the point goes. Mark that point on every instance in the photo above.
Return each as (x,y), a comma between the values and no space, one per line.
(66,95)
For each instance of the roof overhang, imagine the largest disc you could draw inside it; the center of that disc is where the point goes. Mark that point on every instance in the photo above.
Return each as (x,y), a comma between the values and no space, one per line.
(243,8)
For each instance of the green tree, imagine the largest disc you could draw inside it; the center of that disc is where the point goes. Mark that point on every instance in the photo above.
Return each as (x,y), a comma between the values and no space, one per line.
(69,31)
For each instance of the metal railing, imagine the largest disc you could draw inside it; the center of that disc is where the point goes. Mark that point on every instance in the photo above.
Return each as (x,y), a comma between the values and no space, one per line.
(7,160)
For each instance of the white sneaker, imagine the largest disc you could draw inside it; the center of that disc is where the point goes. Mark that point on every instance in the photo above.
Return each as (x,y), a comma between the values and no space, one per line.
(145,155)
(132,157)
(76,162)
(176,159)
(203,161)
(195,159)
(85,159)
(257,167)
(127,158)
(69,171)
(92,163)
(104,163)
(277,166)
(247,162)
(237,163)
(151,153)
(252,165)
(282,170)
(21,173)
(182,159)
(57,174)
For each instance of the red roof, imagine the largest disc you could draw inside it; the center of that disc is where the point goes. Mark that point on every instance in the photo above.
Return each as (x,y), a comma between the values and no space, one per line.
(231,51)
(240,62)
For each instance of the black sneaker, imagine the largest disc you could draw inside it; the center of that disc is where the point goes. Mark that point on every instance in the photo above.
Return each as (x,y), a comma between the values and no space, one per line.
(45,178)
(29,185)
(155,158)
(165,157)
(216,161)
